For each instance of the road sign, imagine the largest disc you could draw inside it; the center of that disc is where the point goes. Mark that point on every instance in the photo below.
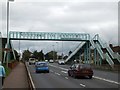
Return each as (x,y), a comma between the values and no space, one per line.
(7,49)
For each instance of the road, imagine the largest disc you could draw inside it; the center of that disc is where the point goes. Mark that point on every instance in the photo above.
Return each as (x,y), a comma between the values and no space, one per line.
(58,78)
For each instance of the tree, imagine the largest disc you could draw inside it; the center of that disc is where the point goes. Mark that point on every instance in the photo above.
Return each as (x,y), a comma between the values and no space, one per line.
(26,55)
(51,55)
(41,55)
(36,54)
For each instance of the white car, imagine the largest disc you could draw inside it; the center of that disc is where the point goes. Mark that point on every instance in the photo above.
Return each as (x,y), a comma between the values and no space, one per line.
(61,62)
(51,61)
(46,60)
(32,61)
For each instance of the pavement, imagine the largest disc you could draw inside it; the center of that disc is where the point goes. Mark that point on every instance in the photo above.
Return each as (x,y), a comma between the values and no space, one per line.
(17,78)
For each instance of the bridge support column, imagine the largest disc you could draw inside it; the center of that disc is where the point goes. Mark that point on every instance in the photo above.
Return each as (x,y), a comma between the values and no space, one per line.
(84,55)
(80,57)
(95,54)
(88,52)
(100,61)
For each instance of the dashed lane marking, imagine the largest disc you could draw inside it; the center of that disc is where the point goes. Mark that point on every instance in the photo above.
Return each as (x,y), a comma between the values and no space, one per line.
(82,85)
(66,77)
(93,76)
(59,67)
(57,73)
(63,71)
(63,68)
(51,70)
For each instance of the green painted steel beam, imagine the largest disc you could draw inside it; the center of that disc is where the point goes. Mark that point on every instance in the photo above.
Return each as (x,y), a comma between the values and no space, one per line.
(48,36)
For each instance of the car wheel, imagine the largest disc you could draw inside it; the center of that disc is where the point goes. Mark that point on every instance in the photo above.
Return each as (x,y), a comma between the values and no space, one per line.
(90,76)
(47,71)
(74,76)
(69,73)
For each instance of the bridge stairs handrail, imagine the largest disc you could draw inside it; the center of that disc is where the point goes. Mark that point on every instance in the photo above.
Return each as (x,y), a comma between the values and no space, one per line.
(99,45)
(109,50)
(75,51)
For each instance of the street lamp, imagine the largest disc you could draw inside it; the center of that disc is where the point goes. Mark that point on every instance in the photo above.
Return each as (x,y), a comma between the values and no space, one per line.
(8,28)
(8,16)
(57,49)
(53,52)
(62,50)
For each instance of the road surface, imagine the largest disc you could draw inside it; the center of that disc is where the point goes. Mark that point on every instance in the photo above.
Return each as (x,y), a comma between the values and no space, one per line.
(58,78)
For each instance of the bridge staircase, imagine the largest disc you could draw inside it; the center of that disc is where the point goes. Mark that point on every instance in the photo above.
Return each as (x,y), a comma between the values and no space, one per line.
(10,46)
(107,55)
(75,51)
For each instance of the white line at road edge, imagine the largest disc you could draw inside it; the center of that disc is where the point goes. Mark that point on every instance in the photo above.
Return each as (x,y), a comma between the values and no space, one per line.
(30,77)
(82,85)
(105,80)
(93,76)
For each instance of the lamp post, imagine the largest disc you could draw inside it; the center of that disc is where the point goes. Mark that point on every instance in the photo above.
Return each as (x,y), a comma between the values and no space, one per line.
(53,52)
(8,29)
(62,50)
(57,49)
(19,50)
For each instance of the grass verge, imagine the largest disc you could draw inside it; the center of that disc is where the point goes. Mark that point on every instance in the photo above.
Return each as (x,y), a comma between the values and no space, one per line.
(7,70)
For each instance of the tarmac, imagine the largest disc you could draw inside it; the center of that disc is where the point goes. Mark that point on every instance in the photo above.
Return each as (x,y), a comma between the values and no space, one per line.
(17,78)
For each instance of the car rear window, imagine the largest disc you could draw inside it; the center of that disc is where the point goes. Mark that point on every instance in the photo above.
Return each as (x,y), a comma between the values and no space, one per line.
(85,66)
(42,64)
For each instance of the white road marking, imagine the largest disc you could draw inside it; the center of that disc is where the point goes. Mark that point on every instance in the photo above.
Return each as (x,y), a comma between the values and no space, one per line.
(63,71)
(63,68)
(93,76)
(66,77)
(59,67)
(29,75)
(57,73)
(105,80)
(82,85)
(51,70)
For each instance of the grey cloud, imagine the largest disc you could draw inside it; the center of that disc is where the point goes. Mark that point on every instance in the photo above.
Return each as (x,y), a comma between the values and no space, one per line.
(63,16)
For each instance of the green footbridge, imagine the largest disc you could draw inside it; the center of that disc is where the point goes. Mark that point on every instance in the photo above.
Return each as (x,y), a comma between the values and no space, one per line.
(100,52)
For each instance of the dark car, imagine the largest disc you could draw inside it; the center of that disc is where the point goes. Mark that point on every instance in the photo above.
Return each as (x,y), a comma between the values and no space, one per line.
(80,70)
(41,67)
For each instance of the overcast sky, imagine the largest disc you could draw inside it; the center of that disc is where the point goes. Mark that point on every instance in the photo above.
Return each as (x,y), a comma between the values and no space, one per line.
(80,16)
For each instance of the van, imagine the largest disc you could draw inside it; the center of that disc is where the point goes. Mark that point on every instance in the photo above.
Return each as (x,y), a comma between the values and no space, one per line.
(31,61)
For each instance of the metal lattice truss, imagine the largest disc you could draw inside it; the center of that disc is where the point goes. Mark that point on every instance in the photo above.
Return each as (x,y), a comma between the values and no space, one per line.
(49,36)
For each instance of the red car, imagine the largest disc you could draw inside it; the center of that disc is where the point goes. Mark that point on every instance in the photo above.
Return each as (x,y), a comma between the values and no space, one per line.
(78,70)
